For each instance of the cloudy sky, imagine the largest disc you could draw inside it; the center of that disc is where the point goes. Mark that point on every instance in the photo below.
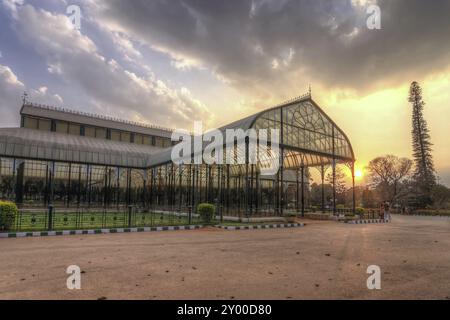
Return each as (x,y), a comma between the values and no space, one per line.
(171,62)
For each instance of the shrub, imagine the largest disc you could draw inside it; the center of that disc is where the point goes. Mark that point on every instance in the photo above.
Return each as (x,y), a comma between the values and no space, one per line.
(349,214)
(360,211)
(291,214)
(425,212)
(8,213)
(340,207)
(206,212)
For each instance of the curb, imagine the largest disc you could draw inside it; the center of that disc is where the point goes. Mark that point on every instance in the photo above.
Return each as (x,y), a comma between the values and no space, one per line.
(94,231)
(424,215)
(261,226)
(368,221)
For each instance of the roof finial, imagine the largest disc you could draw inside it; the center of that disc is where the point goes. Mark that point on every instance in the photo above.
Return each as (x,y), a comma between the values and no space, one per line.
(309,91)
(24,97)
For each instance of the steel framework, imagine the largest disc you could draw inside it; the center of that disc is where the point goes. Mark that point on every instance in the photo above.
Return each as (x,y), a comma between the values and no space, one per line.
(79,172)
(308,138)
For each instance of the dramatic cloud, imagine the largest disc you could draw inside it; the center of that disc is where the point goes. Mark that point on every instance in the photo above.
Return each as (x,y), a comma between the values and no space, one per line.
(254,44)
(110,87)
(10,90)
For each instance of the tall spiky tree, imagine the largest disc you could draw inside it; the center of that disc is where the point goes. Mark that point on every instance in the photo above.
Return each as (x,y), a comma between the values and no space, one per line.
(424,174)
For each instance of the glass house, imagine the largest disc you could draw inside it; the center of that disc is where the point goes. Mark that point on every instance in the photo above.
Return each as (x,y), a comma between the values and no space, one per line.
(71,159)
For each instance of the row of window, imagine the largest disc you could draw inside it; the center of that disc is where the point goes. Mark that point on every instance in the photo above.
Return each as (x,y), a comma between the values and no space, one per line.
(94,132)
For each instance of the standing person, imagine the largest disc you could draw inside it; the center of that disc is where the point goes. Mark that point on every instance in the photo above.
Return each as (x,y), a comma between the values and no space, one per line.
(382,210)
(387,214)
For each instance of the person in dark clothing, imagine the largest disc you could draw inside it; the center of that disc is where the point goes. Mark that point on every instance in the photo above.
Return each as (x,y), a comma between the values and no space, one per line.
(387,213)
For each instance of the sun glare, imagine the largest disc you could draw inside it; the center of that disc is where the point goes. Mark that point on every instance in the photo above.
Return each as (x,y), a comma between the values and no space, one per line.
(358,174)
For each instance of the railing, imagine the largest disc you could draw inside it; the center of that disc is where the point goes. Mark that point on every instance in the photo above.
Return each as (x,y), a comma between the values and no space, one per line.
(54,219)
(295,99)
(130,217)
(97,116)
(368,213)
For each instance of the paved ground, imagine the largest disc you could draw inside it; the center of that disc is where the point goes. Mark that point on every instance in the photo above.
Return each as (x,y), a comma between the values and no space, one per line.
(324,260)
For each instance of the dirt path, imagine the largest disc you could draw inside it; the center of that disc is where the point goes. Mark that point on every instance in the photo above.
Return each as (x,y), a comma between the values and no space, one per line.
(324,260)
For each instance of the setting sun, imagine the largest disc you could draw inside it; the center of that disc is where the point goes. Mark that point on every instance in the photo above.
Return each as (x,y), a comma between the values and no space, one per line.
(359,174)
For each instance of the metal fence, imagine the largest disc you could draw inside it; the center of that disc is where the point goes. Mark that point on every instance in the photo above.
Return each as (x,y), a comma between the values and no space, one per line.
(367,214)
(61,219)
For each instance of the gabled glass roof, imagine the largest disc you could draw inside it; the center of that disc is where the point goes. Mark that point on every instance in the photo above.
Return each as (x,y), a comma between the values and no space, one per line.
(308,131)
(308,136)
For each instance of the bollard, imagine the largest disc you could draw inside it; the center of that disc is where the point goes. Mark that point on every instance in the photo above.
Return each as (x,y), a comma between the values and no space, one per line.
(50,217)
(190,215)
(130,209)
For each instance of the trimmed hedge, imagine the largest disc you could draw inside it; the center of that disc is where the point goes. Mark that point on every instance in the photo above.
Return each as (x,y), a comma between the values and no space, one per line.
(206,211)
(8,213)
(425,212)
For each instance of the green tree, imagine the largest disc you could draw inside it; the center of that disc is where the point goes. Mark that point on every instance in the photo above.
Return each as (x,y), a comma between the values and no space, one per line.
(424,174)
(339,183)
(440,196)
(316,194)
(389,176)
(368,198)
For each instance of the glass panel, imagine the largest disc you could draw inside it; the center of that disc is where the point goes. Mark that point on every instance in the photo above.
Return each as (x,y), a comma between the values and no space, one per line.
(89,132)
(74,129)
(35,183)
(96,185)
(45,124)
(138,138)
(100,133)
(30,123)
(147,140)
(137,185)
(115,135)
(126,137)
(159,142)
(62,127)
(7,178)
(167,143)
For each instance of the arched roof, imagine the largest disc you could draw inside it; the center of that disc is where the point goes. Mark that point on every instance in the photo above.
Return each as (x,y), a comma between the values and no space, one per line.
(52,146)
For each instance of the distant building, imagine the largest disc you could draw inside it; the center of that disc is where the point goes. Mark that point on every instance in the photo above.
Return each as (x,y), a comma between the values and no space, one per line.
(60,120)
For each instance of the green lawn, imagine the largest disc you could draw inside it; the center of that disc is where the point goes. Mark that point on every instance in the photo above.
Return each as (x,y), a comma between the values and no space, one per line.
(38,221)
